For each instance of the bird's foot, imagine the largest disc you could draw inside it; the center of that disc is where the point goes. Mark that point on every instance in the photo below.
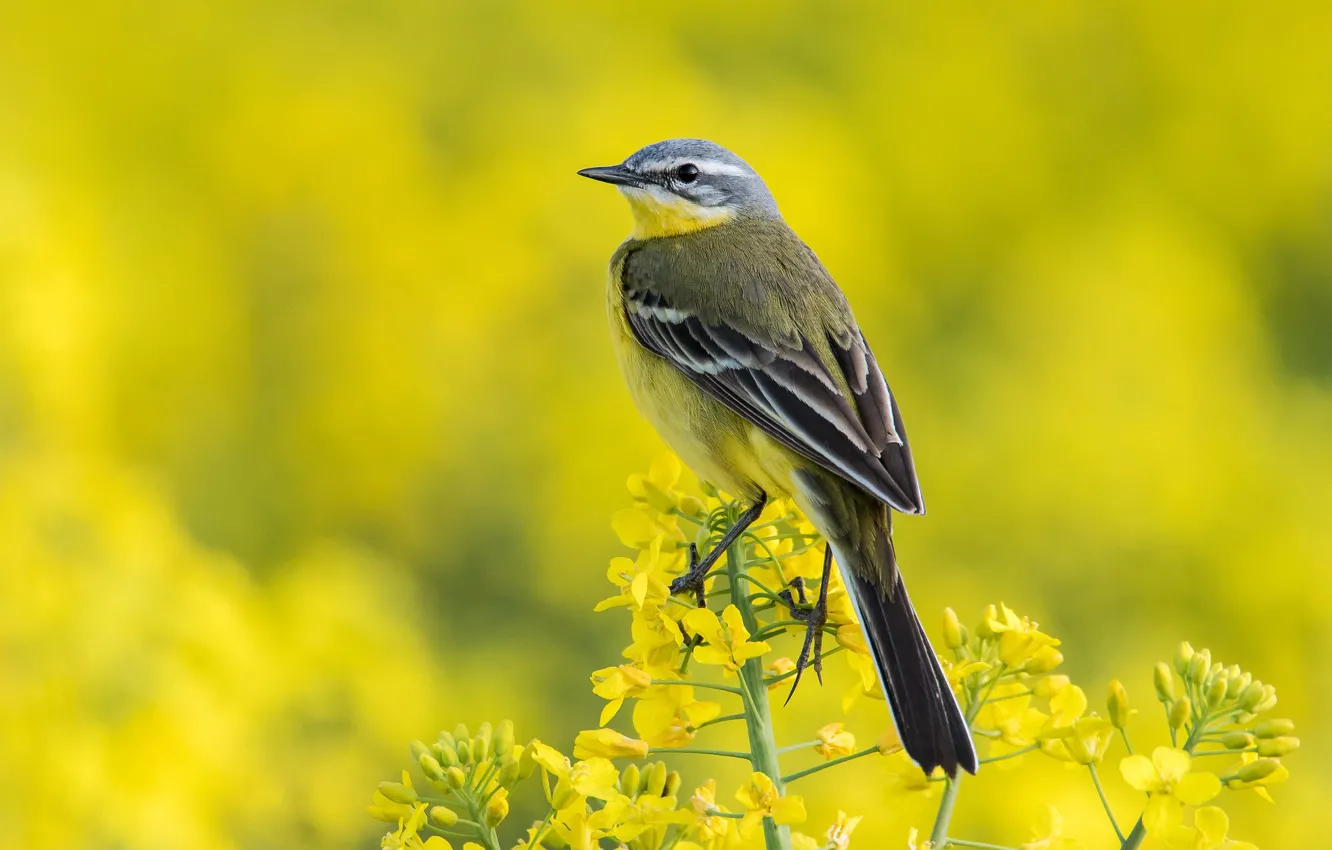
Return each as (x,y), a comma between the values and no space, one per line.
(815,619)
(696,578)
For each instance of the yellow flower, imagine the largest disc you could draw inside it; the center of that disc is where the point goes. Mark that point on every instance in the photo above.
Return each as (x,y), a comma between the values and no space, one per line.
(657,640)
(839,834)
(1068,735)
(1084,742)
(866,683)
(835,741)
(1208,832)
(1050,834)
(616,683)
(406,836)
(657,487)
(645,581)
(1259,786)
(728,639)
(1166,777)
(607,743)
(393,811)
(779,667)
(1020,641)
(669,715)
(1012,721)
(761,800)
(906,777)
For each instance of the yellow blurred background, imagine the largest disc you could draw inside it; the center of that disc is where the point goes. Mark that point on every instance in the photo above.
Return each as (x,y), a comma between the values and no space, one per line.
(310,429)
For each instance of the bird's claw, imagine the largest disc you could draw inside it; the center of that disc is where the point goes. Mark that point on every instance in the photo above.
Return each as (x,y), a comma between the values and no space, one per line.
(695,579)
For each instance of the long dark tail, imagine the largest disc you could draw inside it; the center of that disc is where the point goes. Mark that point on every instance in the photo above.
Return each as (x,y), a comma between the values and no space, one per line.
(928,718)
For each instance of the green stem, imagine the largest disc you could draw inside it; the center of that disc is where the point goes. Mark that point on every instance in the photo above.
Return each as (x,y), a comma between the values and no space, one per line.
(692,751)
(705,685)
(958,842)
(1012,755)
(800,774)
(758,717)
(714,721)
(939,835)
(1105,804)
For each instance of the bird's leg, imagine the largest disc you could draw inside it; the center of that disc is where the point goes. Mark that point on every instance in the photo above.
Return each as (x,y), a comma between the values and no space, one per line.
(699,569)
(815,619)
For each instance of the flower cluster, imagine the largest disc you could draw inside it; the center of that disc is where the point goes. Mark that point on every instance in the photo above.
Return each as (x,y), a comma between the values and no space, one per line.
(713,656)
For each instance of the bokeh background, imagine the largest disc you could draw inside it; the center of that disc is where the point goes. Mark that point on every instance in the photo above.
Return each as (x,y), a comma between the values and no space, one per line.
(310,429)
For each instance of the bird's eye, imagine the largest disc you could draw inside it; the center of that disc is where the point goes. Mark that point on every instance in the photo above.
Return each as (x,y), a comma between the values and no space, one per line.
(687,173)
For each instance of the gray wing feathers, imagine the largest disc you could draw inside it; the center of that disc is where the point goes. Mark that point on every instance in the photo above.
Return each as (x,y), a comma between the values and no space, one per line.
(781,385)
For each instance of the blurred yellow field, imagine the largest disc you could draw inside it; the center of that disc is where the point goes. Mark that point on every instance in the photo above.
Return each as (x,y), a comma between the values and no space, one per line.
(311,432)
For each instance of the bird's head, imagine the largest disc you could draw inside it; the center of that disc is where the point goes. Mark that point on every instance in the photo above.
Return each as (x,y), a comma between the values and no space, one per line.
(682,185)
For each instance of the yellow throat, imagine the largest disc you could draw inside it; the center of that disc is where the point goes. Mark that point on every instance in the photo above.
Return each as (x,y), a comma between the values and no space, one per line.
(660,213)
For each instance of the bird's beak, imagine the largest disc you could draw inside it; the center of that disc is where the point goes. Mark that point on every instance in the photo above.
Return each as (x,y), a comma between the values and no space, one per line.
(616,174)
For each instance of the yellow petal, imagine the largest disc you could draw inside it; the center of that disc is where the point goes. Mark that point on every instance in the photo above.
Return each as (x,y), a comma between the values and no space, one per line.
(789,810)
(612,708)
(664,471)
(1139,772)
(1171,763)
(735,624)
(1197,788)
(1162,813)
(1212,823)
(701,621)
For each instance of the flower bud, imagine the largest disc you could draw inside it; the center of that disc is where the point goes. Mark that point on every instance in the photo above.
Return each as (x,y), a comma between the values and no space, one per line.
(1269,700)
(1274,728)
(1256,771)
(1183,656)
(1044,660)
(691,505)
(1251,695)
(416,749)
(460,734)
(654,779)
(952,630)
(983,630)
(1117,705)
(431,767)
(445,739)
(1237,740)
(1179,712)
(1165,682)
(672,784)
(1240,684)
(465,750)
(504,738)
(443,817)
(1047,686)
(1216,692)
(398,793)
(1199,665)
(481,742)
(497,809)
(455,778)
(1277,747)
(1233,683)
(629,781)
(508,772)
(446,755)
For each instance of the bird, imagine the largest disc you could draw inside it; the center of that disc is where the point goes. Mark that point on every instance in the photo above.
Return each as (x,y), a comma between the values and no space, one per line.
(743,353)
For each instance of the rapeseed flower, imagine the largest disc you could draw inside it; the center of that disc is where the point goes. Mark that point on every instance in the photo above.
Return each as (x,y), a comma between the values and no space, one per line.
(761,800)
(728,643)
(1167,778)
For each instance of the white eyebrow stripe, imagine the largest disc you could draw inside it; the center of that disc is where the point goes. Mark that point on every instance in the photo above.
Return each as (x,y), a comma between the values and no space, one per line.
(706,166)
